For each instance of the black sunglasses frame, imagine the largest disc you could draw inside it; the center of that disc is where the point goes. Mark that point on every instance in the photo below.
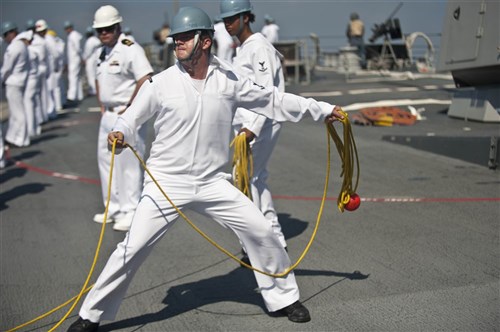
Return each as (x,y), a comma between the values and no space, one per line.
(109,29)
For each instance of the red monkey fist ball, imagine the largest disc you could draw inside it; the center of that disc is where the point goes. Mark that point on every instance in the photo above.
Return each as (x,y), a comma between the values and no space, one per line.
(353,203)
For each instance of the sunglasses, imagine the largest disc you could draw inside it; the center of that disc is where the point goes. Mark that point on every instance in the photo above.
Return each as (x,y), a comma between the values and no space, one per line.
(231,19)
(109,29)
(184,36)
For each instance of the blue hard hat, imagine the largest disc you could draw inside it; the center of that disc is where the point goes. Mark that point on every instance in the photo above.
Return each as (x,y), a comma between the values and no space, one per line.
(268,18)
(30,24)
(189,19)
(8,26)
(230,8)
(68,24)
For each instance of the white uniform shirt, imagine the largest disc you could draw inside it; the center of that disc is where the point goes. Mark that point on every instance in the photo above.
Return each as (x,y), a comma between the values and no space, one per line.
(34,61)
(91,45)
(224,42)
(52,47)
(118,73)
(74,48)
(193,130)
(271,32)
(60,47)
(258,60)
(40,46)
(15,65)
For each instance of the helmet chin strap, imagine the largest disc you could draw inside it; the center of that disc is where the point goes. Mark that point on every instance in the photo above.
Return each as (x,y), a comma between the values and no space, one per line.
(240,29)
(196,42)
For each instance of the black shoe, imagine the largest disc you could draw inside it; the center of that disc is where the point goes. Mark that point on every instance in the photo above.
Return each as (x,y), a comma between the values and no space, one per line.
(296,312)
(70,104)
(83,325)
(245,258)
(12,145)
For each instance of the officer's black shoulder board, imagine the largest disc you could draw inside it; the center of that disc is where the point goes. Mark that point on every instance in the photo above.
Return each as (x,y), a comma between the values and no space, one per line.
(127,42)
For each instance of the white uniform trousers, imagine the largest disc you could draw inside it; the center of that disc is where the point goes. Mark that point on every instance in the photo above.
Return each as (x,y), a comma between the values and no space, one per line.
(90,72)
(44,97)
(262,149)
(154,216)
(127,174)
(31,95)
(59,97)
(51,106)
(75,87)
(2,148)
(17,131)
(39,114)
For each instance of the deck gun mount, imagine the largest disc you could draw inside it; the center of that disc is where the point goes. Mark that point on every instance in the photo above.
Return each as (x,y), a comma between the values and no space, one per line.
(389,29)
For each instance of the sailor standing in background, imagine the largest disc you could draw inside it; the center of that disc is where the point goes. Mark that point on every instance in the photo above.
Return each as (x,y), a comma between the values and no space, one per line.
(41,28)
(121,70)
(33,89)
(59,96)
(258,60)
(74,62)
(355,33)
(223,41)
(40,46)
(13,74)
(90,56)
(271,29)
(32,98)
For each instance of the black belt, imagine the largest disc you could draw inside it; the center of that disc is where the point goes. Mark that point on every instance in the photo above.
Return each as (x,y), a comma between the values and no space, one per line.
(116,109)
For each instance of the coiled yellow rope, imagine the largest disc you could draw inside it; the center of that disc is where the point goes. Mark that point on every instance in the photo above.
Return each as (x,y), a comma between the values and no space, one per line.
(347,151)
(348,155)
(242,164)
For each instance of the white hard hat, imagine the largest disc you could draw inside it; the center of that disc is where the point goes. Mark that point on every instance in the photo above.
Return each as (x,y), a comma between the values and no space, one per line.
(41,25)
(106,16)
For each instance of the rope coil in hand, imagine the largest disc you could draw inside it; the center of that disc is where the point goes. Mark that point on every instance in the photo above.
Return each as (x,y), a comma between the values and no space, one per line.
(242,164)
(348,155)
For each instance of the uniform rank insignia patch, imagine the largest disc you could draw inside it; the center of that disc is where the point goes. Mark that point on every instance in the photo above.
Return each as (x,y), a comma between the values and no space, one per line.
(127,42)
(262,68)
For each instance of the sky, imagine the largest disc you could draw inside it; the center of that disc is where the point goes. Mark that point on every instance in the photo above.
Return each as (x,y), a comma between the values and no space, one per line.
(296,18)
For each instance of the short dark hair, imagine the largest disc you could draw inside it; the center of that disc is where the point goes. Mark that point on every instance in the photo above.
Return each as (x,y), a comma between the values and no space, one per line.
(7,32)
(251,16)
(207,33)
